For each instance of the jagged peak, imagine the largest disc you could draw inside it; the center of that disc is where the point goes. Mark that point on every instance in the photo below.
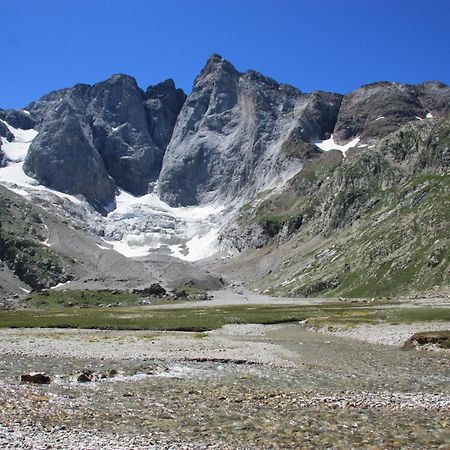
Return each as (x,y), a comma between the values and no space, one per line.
(216,63)
(381,83)
(434,83)
(259,77)
(120,78)
(156,90)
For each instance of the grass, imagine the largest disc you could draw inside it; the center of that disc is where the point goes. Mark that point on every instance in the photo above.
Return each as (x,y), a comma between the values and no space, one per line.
(204,319)
(370,315)
(81,298)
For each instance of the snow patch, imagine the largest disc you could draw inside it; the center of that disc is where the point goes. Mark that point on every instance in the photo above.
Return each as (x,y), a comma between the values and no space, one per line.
(330,144)
(17,150)
(199,247)
(429,116)
(379,118)
(60,285)
(140,225)
(103,247)
(418,118)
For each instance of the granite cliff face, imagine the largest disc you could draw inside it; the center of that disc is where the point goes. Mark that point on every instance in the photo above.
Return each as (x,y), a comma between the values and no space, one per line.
(93,139)
(230,132)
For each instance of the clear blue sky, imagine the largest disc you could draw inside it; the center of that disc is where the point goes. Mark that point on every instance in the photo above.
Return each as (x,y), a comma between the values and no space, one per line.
(334,45)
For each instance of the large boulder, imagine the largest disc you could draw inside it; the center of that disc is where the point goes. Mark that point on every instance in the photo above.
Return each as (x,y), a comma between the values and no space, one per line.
(35,378)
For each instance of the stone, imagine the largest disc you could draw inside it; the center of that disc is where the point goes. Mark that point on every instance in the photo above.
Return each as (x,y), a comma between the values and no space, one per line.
(35,378)
(85,377)
(154,289)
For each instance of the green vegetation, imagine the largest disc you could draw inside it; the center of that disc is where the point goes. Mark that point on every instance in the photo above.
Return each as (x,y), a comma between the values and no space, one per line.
(22,233)
(401,246)
(186,290)
(81,298)
(205,319)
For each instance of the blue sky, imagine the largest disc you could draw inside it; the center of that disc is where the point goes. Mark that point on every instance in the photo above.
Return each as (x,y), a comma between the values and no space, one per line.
(334,45)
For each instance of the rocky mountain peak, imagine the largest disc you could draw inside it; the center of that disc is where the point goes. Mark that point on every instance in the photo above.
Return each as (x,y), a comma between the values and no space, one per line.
(229,138)
(121,78)
(160,89)
(216,66)
(377,109)
(112,126)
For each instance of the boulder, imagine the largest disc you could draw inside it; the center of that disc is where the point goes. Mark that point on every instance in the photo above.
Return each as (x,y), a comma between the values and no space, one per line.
(86,376)
(36,378)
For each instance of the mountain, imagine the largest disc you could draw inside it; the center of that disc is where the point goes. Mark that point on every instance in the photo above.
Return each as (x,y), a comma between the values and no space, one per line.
(228,139)
(312,193)
(374,223)
(94,138)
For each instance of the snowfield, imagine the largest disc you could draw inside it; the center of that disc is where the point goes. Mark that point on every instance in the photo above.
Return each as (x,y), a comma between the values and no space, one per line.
(330,144)
(143,224)
(138,226)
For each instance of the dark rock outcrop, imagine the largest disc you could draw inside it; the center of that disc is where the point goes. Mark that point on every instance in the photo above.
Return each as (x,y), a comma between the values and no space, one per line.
(153,289)
(35,378)
(4,132)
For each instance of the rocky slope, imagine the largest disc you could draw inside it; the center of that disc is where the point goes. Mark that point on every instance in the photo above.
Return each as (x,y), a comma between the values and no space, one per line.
(45,242)
(24,250)
(375,223)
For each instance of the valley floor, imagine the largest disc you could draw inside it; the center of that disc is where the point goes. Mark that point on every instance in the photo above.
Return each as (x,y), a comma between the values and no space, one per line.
(237,387)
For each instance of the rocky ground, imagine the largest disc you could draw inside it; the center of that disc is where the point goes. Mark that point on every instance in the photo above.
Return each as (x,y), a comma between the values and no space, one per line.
(243,386)
(386,334)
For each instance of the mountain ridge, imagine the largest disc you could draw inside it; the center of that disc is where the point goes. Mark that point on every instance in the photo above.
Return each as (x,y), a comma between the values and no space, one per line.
(281,168)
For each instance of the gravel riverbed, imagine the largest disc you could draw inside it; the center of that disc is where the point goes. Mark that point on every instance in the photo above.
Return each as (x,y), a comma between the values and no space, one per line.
(240,387)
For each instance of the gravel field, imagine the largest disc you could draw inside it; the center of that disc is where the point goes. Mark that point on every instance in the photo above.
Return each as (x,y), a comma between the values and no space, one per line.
(242,386)
(385,333)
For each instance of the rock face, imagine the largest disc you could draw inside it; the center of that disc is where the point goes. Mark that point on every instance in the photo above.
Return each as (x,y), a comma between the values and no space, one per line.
(229,134)
(17,118)
(64,158)
(377,109)
(93,139)
(235,135)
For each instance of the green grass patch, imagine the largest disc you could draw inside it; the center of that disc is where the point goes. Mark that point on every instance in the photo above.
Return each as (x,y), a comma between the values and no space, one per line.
(81,298)
(200,320)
